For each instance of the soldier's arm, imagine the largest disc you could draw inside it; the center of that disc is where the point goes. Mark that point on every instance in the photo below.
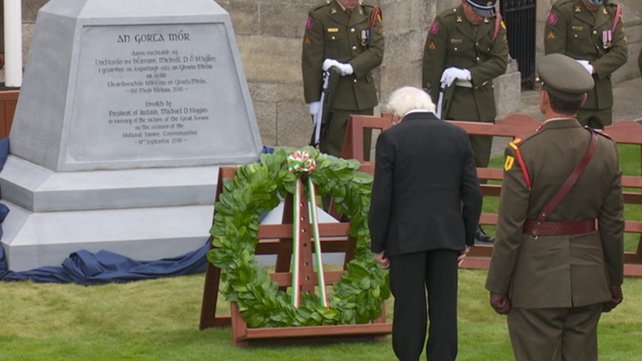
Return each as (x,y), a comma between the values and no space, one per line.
(513,211)
(496,64)
(434,58)
(611,227)
(615,57)
(372,57)
(312,59)
(555,32)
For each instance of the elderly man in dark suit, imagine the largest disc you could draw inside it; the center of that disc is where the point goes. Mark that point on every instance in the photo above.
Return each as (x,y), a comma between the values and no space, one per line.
(558,258)
(426,203)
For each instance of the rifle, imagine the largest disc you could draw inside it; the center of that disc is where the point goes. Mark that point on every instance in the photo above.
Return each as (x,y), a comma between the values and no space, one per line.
(444,102)
(321,119)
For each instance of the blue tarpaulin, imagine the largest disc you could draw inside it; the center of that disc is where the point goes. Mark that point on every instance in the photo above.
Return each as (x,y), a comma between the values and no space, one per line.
(87,268)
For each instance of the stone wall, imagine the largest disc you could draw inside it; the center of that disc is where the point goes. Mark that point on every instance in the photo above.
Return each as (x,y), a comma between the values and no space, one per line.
(269,34)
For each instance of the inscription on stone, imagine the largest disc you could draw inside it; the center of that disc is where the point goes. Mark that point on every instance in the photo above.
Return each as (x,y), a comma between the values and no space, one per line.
(154,90)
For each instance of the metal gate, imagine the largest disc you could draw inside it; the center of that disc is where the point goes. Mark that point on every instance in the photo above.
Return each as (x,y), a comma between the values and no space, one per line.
(520,19)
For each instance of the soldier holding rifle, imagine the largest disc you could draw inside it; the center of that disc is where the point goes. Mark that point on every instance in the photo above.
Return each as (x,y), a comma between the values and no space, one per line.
(466,48)
(344,37)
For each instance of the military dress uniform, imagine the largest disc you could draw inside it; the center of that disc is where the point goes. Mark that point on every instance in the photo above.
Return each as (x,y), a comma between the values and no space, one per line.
(332,32)
(573,30)
(452,41)
(558,272)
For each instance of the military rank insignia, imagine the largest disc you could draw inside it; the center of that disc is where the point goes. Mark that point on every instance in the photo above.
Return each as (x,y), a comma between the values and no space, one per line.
(508,163)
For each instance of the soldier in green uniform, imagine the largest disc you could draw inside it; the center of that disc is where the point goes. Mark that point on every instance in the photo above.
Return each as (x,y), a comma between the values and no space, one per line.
(558,257)
(591,32)
(349,35)
(466,48)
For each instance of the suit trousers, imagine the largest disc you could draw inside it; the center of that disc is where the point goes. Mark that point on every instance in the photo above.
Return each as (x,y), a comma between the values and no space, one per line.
(554,334)
(412,276)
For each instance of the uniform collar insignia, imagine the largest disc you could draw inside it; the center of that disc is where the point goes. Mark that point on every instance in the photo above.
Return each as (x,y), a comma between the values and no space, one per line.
(459,19)
(333,11)
(578,9)
(605,12)
(486,21)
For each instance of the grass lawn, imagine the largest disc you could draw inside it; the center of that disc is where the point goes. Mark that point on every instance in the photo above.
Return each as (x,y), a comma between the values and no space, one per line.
(158,320)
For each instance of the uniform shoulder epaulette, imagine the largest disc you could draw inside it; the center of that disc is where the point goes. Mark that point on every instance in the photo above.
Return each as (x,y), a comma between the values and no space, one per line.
(508,164)
(564,2)
(521,141)
(446,14)
(324,5)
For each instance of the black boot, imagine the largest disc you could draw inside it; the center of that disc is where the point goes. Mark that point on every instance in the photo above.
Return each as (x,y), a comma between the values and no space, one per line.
(482,237)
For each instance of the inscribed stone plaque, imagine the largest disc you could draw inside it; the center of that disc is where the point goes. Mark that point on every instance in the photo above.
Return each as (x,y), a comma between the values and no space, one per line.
(115,84)
(165,92)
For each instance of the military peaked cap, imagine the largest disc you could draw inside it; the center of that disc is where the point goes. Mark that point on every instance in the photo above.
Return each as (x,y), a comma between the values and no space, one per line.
(564,77)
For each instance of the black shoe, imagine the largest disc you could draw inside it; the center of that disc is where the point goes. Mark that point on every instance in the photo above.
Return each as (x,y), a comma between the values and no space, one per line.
(482,237)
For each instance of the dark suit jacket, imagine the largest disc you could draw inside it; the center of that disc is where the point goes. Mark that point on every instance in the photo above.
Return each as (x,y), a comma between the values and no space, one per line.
(426,193)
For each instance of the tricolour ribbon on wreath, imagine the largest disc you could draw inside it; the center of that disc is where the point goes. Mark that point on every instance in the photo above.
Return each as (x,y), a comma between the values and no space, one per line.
(300,164)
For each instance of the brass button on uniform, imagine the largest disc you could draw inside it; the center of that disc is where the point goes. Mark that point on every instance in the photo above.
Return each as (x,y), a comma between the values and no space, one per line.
(355,80)
(352,30)
(354,47)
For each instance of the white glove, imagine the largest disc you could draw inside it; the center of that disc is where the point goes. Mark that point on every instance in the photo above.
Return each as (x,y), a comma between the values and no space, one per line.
(314,107)
(344,69)
(451,74)
(586,65)
(328,63)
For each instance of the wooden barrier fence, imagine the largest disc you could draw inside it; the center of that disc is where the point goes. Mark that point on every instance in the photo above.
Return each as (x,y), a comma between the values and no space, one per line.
(624,132)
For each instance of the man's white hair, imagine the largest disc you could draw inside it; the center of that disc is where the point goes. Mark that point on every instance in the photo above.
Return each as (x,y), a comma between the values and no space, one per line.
(409,98)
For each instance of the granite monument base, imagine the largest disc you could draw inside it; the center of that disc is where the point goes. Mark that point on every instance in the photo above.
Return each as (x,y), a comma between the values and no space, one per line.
(145,214)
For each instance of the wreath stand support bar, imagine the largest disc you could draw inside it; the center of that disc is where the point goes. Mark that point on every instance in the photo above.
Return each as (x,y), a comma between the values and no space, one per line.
(276,239)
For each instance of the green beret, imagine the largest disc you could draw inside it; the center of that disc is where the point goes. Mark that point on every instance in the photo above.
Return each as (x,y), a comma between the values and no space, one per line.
(564,77)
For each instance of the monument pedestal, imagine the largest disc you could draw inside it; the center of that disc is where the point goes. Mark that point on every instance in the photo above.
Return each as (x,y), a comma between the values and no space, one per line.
(126,111)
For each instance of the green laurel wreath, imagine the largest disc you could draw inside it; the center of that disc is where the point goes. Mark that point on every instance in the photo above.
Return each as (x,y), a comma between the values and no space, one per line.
(259,187)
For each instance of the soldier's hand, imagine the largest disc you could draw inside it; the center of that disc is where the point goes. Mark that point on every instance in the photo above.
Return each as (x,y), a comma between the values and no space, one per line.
(500,303)
(329,63)
(346,69)
(314,107)
(616,299)
(451,74)
(586,65)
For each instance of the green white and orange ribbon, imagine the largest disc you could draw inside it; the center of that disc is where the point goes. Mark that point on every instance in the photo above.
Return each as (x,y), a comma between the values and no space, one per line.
(301,164)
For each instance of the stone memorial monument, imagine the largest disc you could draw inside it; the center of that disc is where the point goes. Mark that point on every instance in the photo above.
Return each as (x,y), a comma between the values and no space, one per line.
(127,109)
